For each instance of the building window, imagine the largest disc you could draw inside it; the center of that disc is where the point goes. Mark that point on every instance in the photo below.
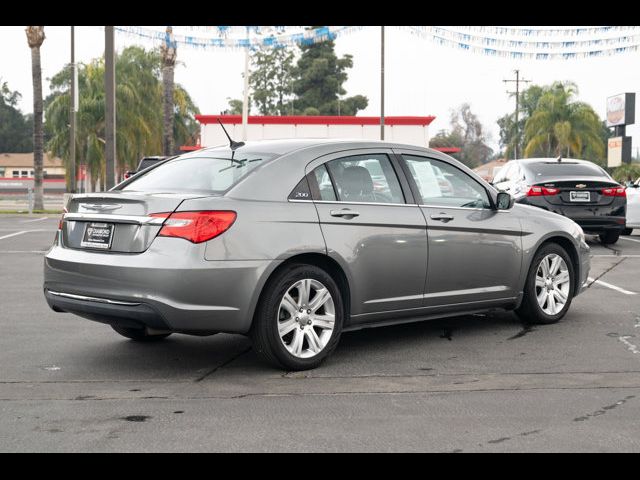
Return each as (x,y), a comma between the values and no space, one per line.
(16,174)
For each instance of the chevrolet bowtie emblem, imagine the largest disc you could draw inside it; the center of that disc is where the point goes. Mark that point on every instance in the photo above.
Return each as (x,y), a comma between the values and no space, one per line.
(99,206)
(581,185)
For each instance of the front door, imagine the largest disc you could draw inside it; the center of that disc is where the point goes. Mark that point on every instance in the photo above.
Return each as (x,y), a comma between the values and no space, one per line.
(475,250)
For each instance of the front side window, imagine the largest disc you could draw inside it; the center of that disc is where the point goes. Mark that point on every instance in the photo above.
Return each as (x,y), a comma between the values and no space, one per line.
(207,174)
(365,178)
(441,184)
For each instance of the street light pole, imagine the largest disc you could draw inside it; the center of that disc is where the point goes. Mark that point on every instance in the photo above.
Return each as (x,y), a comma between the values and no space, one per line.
(110,110)
(382,82)
(72,117)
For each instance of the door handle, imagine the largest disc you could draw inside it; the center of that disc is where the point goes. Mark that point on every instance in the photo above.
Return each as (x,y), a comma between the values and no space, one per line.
(443,217)
(344,213)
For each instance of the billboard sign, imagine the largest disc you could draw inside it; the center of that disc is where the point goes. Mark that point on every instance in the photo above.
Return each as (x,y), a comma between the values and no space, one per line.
(621,109)
(618,151)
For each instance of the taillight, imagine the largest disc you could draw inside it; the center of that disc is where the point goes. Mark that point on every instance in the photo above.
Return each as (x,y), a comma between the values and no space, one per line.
(614,192)
(197,227)
(64,210)
(540,191)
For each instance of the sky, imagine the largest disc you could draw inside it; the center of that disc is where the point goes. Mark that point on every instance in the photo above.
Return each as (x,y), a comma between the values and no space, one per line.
(422,78)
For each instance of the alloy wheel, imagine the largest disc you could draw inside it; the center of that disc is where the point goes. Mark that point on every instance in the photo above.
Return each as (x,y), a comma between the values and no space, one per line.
(553,284)
(306,318)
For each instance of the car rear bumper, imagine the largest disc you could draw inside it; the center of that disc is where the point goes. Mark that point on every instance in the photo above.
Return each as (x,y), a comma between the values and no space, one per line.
(592,218)
(179,292)
(600,224)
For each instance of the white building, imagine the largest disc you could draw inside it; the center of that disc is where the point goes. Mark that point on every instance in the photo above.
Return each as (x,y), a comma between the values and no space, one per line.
(410,130)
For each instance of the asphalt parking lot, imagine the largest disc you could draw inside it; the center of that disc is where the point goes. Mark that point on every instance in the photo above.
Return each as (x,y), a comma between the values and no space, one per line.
(465,384)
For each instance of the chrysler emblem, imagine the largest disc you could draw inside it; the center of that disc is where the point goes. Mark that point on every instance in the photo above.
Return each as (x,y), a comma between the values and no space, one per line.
(100,206)
(581,185)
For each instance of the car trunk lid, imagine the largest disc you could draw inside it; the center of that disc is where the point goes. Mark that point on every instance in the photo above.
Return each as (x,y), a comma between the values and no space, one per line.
(578,191)
(116,221)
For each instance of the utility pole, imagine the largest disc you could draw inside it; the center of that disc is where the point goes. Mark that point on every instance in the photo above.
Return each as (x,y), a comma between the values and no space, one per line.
(517,81)
(110,110)
(72,116)
(382,82)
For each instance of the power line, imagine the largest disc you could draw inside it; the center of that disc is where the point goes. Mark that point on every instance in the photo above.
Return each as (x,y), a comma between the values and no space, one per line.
(517,81)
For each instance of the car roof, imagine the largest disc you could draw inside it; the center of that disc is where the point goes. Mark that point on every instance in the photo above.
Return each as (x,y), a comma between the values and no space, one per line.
(285,146)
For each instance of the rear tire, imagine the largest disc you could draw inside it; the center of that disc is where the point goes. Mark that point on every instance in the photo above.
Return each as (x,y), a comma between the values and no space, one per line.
(299,319)
(139,334)
(610,237)
(627,231)
(549,289)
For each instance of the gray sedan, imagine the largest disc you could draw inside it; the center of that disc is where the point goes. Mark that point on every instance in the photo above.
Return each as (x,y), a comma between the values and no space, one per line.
(293,242)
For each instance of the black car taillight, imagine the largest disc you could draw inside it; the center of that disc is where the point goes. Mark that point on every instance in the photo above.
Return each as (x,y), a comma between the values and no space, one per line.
(197,227)
(542,191)
(614,192)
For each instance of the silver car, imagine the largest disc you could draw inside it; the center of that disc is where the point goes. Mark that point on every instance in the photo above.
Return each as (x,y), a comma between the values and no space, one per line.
(292,242)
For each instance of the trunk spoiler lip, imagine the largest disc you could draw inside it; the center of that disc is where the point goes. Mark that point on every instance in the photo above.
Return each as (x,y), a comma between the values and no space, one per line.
(109,218)
(575,180)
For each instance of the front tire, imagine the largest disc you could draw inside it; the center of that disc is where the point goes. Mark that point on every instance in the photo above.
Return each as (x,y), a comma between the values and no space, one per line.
(627,231)
(299,319)
(610,237)
(139,334)
(549,288)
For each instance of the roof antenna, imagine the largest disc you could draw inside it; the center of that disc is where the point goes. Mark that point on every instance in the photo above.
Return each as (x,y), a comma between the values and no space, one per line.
(559,159)
(233,145)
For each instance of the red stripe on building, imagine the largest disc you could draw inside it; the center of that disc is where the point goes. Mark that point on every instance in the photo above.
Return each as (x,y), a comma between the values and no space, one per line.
(314,120)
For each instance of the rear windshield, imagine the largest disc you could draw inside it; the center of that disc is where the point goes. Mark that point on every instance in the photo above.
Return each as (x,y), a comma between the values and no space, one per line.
(557,169)
(200,174)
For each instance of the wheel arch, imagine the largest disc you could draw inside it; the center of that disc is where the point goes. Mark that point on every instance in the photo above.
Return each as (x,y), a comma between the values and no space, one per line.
(569,247)
(320,260)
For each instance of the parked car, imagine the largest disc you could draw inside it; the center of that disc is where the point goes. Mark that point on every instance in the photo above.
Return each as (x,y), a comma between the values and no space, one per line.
(145,163)
(633,207)
(580,190)
(289,243)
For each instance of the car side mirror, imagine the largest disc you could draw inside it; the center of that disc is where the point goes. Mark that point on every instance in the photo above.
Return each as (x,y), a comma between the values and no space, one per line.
(504,201)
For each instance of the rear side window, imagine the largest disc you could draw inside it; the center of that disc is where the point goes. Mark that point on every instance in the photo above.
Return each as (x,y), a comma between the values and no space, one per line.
(198,174)
(325,186)
(365,178)
(565,169)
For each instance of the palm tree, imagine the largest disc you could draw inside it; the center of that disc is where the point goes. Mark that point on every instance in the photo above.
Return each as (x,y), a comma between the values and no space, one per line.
(168,51)
(35,37)
(561,126)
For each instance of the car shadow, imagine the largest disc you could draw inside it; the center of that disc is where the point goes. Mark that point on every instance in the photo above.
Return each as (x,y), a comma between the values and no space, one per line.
(186,358)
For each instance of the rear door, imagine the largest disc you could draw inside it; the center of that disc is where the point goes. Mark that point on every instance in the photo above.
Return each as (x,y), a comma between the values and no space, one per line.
(474,250)
(372,228)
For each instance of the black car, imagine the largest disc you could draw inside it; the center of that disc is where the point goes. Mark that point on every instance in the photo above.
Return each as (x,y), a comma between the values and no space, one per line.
(145,163)
(580,190)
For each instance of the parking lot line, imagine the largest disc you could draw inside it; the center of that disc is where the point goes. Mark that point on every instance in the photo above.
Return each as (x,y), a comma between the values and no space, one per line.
(14,234)
(612,287)
(34,220)
(630,239)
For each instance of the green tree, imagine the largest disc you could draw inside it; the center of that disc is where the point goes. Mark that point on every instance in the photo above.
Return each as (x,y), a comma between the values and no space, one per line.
(235,107)
(319,76)
(271,80)
(562,126)
(168,50)
(16,134)
(35,37)
(626,172)
(466,133)
(140,120)
(509,134)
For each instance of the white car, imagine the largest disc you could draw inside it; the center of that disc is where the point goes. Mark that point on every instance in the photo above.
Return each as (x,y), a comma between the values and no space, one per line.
(633,207)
